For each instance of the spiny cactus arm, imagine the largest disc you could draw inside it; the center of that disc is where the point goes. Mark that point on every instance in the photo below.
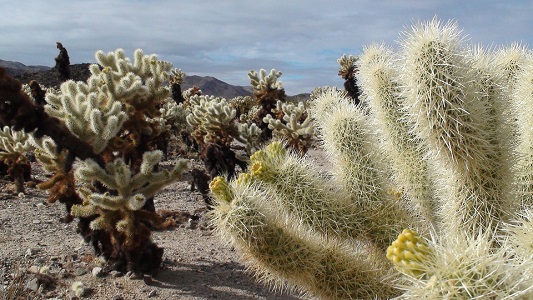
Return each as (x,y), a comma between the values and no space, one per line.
(214,119)
(459,266)
(351,147)
(189,93)
(250,136)
(521,100)
(298,188)
(510,61)
(519,240)
(346,65)
(452,113)
(78,107)
(280,257)
(406,151)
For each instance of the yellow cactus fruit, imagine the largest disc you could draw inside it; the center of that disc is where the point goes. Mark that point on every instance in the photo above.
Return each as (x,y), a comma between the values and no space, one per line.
(258,156)
(220,188)
(408,253)
(276,149)
(258,169)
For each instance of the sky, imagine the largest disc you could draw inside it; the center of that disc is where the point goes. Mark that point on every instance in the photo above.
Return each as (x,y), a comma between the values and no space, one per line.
(227,38)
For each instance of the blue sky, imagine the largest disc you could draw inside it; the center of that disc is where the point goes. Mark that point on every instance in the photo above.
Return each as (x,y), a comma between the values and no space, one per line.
(227,38)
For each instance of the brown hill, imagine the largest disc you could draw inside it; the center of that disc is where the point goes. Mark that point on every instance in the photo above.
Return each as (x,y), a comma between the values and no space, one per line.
(213,86)
(49,77)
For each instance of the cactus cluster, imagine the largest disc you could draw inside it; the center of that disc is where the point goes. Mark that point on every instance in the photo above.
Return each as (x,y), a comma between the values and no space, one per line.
(113,124)
(14,146)
(429,191)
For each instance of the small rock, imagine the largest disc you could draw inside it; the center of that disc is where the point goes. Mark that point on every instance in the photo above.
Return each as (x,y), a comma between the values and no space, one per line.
(40,205)
(33,269)
(134,276)
(98,272)
(80,271)
(78,289)
(63,273)
(29,252)
(115,274)
(191,224)
(36,221)
(33,285)
(39,260)
(152,293)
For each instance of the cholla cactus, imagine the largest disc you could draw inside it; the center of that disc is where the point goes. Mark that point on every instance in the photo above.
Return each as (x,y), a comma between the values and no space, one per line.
(267,91)
(347,70)
(216,128)
(119,96)
(295,125)
(112,124)
(439,153)
(120,212)
(13,148)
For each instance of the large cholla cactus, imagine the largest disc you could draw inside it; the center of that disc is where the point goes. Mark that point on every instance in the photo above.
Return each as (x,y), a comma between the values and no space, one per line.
(121,212)
(112,124)
(433,172)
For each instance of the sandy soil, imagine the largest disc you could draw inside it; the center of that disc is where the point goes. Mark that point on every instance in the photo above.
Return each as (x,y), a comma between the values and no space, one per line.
(40,257)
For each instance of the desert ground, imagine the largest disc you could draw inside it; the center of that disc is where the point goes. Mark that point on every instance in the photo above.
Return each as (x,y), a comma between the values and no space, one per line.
(41,257)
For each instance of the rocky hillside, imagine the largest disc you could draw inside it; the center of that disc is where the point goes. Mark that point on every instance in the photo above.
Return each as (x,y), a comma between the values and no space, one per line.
(15,68)
(49,77)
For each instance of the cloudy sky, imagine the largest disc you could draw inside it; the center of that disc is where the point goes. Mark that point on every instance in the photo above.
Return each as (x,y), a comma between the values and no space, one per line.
(227,38)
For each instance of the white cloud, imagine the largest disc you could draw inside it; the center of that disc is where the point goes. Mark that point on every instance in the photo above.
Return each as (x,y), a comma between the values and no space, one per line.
(226,39)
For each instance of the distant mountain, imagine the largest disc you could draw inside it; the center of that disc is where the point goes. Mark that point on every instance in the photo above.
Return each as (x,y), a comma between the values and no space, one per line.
(213,86)
(49,77)
(15,68)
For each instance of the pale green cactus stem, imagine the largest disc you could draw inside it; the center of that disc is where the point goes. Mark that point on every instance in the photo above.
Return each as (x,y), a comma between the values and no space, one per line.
(519,239)
(96,111)
(453,114)
(381,92)
(521,101)
(176,76)
(13,143)
(346,62)
(275,254)
(350,146)
(296,187)
(47,155)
